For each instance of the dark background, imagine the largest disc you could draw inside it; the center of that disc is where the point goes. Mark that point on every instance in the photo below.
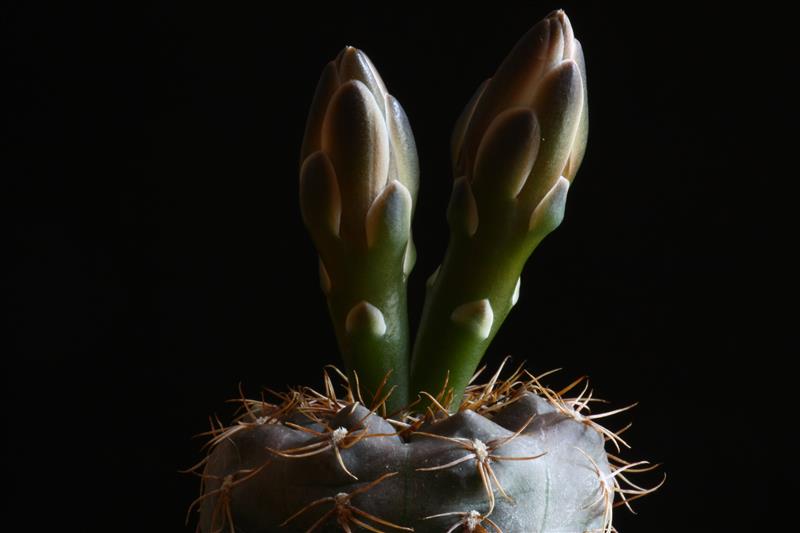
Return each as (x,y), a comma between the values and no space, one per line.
(159,259)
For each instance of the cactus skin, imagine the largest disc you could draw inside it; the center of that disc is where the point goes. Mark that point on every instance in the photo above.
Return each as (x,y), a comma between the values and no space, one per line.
(555,470)
(551,492)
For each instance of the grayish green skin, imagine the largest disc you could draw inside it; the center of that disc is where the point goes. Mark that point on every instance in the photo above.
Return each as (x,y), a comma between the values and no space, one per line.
(558,492)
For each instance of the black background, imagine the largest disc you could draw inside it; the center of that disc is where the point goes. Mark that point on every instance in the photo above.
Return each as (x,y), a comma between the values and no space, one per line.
(159,258)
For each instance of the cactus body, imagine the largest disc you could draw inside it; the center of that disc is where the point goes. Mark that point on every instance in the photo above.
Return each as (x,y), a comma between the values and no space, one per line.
(516,457)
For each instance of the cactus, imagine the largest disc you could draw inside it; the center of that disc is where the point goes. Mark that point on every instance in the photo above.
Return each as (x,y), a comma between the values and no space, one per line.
(508,455)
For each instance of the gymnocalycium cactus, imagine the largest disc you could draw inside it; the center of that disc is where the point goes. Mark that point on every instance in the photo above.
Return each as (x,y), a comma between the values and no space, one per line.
(509,455)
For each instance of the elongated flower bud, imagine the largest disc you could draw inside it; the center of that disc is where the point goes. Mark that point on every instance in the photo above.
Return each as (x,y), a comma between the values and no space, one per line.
(358,185)
(544,73)
(515,149)
(364,132)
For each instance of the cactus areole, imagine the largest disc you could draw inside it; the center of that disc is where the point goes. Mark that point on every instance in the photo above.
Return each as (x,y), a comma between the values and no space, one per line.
(406,439)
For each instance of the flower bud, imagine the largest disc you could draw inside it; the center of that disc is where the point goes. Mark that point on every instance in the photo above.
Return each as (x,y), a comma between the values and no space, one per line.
(364,133)
(544,74)
(358,184)
(515,148)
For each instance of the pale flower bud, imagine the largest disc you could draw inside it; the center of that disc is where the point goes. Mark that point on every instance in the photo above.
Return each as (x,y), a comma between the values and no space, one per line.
(364,134)
(537,96)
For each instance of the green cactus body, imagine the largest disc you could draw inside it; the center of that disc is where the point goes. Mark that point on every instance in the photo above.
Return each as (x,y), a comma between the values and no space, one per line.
(510,455)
